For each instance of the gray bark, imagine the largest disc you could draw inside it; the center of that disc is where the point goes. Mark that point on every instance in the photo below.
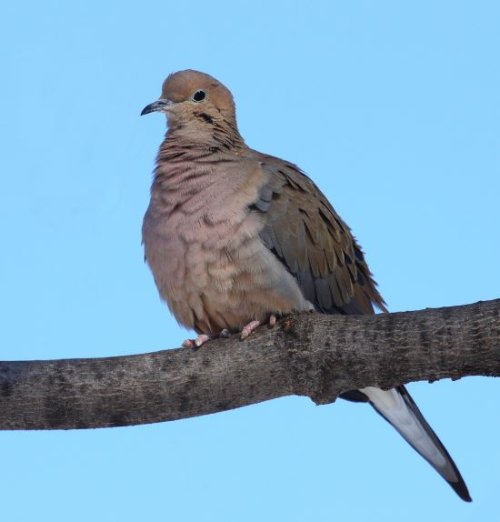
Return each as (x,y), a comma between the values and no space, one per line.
(318,356)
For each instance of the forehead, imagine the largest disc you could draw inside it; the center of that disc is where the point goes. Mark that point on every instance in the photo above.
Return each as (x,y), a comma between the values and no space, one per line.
(181,85)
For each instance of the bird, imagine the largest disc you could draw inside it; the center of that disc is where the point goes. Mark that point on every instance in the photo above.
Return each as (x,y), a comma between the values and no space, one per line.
(236,238)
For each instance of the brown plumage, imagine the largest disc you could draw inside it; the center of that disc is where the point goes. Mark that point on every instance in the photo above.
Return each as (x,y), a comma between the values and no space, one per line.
(235,237)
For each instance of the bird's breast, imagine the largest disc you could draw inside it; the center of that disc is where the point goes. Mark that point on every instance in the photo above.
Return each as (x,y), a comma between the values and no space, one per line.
(203,246)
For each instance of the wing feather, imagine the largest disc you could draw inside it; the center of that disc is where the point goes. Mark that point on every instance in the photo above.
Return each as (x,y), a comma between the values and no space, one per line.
(303,230)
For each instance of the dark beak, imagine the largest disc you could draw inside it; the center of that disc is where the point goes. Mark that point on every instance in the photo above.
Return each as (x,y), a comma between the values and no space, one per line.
(159,105)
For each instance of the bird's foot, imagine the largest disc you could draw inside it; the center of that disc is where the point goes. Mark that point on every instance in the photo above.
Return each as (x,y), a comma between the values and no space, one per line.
(249,328)
(196,343)
(224,334)
(253,325)
(203,338)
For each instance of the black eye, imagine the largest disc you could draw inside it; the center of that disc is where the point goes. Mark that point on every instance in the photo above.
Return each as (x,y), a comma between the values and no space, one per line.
(199,96)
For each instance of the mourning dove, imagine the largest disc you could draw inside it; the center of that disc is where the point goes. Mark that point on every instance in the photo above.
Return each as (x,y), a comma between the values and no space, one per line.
(235,238)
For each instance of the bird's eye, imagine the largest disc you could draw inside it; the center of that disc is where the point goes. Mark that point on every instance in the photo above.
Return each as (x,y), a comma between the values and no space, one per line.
(199,96)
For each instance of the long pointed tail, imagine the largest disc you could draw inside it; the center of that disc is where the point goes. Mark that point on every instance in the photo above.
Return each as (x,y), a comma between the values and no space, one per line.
(399,409)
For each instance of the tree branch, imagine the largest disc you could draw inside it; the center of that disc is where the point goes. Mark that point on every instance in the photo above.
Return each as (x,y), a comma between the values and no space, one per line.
(318,356)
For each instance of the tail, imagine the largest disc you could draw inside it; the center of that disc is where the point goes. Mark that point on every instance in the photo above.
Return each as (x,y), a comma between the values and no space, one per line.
(398,408)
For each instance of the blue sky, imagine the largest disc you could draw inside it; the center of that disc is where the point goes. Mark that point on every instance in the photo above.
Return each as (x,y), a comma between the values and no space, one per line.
(391,107)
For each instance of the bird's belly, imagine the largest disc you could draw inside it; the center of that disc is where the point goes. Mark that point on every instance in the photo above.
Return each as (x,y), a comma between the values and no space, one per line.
(212,283)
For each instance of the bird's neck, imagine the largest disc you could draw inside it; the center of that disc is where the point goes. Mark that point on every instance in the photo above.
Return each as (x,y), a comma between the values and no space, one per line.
(203,133)
(190,151)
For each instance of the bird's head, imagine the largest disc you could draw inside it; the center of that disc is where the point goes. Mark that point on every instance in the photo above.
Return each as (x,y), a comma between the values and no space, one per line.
(193,97)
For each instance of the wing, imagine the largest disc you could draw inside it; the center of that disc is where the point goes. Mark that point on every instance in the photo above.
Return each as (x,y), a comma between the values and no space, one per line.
(306,234)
